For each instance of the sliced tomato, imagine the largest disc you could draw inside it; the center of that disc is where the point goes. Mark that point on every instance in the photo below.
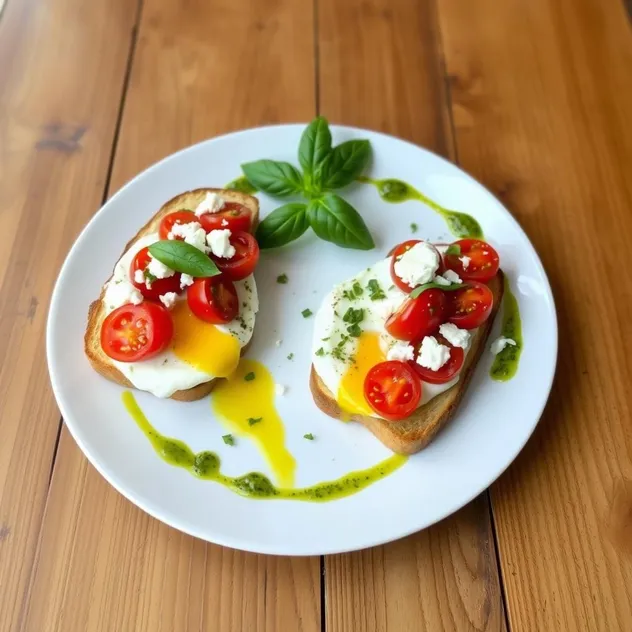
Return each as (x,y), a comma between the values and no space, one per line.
(213,299)
(392,389)
(136,332)
(447,371)
(233,216)
(157,286)
(418,317)
(471,306)
(481,260)
(178,217)
(244,261)
(397,252)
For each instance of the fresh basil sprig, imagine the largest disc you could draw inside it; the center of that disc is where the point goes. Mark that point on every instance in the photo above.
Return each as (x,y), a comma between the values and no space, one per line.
(324,170)
(453,249)
(183,257)
(429,286)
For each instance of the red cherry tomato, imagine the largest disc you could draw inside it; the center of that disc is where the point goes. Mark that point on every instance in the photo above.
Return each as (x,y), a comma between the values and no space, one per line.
(471,306)
(397,252)
(136,332)
(245,259)
(158,286)
(213,299)
(483,260)
(418,317)
(233,216)
(392,389)
(447,371)
(179,217)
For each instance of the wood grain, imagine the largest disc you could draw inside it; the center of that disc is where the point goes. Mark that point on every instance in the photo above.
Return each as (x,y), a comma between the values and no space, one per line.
(55,142)
(381,68)
(542,99)
(199,70)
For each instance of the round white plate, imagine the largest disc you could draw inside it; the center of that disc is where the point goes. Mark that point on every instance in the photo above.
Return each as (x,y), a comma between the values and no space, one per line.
(490,427)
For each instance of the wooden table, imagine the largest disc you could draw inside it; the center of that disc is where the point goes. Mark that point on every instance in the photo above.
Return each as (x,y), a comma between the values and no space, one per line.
(534,98)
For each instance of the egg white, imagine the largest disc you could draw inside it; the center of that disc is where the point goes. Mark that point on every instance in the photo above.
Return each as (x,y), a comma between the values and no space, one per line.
(165,373)
(329,325)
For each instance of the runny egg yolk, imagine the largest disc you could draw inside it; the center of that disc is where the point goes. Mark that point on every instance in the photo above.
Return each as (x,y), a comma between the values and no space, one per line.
(202,345)
(247,408)
(351,390)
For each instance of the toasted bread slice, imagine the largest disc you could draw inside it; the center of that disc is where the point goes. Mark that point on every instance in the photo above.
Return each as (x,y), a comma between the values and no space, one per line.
(92,344)
(415,432)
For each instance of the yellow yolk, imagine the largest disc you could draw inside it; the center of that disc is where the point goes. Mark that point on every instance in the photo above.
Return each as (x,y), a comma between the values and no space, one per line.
(202,345)
(239,401)
(351,390)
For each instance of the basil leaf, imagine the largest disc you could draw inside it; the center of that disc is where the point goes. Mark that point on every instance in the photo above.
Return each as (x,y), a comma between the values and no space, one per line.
(429,286)
(453,249)
(315,145)
(183,257)
(276,178)
(283,225)
(337,221)
(344,164)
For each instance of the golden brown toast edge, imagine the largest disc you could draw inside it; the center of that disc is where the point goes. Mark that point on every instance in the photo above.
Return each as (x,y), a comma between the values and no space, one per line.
(92,344)
(415,432)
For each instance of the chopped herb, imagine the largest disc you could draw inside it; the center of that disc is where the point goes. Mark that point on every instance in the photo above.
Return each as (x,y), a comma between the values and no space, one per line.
(309,436)
(290,356)
(376,292)
(306,313)
(357,289)
(413,227)
(149,277)
(320,352)
(254,420)
(249,376)
(354,330)
(244,305)
(353,316)
(391,288)
(348,294)
(453,249)
(325,339)
(228,439)
(282,278)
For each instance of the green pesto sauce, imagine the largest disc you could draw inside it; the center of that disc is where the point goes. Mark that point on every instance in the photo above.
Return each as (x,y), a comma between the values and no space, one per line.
(506,362)
(206,465)
(242,185)
(395,191)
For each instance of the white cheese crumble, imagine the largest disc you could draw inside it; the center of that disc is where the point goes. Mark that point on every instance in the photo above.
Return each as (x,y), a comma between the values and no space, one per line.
(192,233)
(168,299)
(451,276)
(139,276)
(219,243)
(465,261)
(401,351)
(280,389)
(456,336)
(500,343)
(417,265)
(121,294)
(185,280)
(224,222)
(212,203)
(432,355)
(158,269)
(439,280)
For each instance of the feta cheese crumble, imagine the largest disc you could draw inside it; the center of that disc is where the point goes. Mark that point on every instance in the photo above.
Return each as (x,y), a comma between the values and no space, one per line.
(401,351)
(280,389)
(456,336)
(418,265)
(192,233)
(465,261)
(139,276)
(121,293)
(219,243)
(168,299)
(451,276)
(158,269)
(500,343)
(185,280)
(432,354)
(212,203)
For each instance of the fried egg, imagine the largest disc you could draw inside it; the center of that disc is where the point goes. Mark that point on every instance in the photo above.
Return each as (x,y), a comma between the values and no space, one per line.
(199,351)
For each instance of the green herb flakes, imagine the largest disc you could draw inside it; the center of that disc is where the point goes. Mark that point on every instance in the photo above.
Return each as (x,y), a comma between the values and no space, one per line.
(309,436)
(282,278)
(375,291)
(306,313)
(228,439)
(249,376)
(254,420)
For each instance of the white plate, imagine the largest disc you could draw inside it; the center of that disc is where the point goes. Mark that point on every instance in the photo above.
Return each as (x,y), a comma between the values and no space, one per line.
(490,427)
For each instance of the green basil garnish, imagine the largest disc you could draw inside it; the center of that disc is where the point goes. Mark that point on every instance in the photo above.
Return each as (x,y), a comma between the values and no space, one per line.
(453,249)
(315,145)
(343,165)
(429,286)
(276,178)
(183,257)
(283,225)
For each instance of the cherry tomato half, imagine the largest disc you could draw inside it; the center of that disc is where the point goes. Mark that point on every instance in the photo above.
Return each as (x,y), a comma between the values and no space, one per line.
(233,216)
(392,389)
(471,306)
(397,252)
(213,299)
(447,371)
(158,286)
(418,317)
(244,261)
(481,263)
(178,217)
(136,332)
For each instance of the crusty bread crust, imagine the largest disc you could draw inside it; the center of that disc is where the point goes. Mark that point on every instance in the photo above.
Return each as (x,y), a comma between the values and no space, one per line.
(415,432)
(96,314)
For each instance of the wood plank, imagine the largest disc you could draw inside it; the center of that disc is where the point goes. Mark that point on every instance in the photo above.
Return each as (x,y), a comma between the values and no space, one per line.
(103,564)
(55,142)
(542,98)
(380,67)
